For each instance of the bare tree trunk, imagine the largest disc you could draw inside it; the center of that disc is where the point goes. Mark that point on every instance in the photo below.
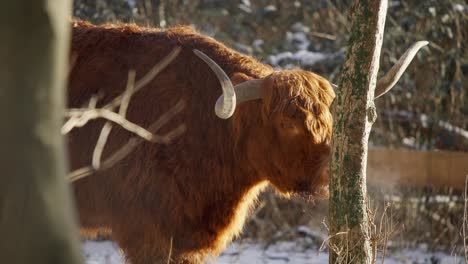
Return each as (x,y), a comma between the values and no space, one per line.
(354,113)
(37,223)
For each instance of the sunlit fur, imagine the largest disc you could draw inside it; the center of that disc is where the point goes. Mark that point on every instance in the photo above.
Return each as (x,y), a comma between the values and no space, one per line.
(198,190)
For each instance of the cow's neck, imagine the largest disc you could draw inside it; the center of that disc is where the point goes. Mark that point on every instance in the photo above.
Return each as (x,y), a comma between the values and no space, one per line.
(230,202)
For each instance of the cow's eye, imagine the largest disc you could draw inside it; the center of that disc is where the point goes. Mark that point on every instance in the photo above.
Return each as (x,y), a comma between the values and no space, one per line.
(289,127)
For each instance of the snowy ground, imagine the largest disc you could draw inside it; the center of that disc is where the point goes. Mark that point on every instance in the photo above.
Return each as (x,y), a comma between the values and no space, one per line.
(295,252)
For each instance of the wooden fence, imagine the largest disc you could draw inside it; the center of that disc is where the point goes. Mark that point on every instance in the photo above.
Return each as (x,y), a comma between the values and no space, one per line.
(389,167)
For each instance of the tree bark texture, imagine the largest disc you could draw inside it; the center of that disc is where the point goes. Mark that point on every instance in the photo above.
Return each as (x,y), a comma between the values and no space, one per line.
(354,114)
(37,223)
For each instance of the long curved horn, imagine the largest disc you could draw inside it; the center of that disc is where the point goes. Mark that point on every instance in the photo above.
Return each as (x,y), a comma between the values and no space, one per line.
(246,91)
(335,87)
(226,107)
(391,78)
(232,95)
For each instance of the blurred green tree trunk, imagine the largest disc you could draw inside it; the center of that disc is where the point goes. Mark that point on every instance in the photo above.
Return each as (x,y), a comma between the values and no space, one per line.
(354,114)
(37,221)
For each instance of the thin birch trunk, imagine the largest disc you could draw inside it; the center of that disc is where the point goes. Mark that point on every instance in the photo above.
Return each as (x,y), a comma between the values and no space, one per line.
(354,113)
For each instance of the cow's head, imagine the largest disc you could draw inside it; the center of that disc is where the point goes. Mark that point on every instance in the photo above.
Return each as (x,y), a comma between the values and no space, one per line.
(289,143)
(292,139)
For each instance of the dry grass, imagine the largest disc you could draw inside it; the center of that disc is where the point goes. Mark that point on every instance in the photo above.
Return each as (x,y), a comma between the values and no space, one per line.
(405,218)
(465,220)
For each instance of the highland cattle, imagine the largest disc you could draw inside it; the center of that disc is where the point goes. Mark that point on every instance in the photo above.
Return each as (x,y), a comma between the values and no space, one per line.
(192,197)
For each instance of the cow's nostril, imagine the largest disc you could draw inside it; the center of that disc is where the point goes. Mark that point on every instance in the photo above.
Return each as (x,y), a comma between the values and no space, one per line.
(303,186)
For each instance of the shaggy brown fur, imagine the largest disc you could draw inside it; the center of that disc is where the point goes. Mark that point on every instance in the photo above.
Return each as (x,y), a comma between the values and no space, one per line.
(197,190)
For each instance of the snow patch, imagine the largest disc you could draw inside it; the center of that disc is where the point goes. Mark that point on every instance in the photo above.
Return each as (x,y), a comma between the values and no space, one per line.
(302,57)
(281,252)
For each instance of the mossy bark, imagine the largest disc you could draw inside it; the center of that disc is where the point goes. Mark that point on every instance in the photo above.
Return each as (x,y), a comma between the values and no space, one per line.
(37,223)
(354,114)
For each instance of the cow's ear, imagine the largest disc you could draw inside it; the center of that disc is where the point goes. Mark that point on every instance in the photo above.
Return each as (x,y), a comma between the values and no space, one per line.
(238,77)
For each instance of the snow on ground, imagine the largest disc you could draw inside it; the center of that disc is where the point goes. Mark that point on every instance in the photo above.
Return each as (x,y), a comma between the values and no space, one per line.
(295,252)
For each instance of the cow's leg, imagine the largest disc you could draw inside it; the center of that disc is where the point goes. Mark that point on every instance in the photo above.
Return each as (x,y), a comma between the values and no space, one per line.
(149,246)
(139,255)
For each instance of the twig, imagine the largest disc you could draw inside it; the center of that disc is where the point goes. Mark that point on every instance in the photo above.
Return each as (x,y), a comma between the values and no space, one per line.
(106,129)
(148,77)
(170,251)
(323,35)
(76,116)
(133,143)
(101,142)
(129,90)
(383,222)
(325,242)
(90,114)
(93,102)
(80,117)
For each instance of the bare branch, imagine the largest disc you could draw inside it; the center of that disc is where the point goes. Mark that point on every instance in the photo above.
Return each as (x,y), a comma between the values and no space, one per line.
(149,76)
(72,122)
(127,95)
(90,114)
(169,256)
(121,153)
(106,129)
(100,144)
(80,117)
